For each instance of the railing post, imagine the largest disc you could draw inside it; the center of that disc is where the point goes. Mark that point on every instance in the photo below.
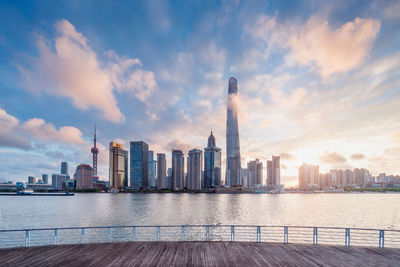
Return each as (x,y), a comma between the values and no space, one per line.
(285,235)
(183,237)
(315,236)
(27,238)
(134,233)
(258,234)
(347,238)
(232,233)
(55,236)
(207,233)
(109,235)
(381,238)
(82,235)
(158,233)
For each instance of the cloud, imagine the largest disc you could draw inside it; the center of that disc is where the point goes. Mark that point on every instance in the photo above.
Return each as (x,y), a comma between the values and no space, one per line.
(178,144)
(333,50)
(287,156)
(358,156)
(332,158)
(72,69)
(8,136)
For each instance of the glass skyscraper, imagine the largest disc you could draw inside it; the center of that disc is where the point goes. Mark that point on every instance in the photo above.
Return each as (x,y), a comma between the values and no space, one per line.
(118,166)
(194,173)
(139,165)
(64,168)
(178,172)
(152,169)
(212,164)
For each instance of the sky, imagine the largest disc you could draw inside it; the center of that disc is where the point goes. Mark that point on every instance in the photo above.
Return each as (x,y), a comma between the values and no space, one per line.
(319,81)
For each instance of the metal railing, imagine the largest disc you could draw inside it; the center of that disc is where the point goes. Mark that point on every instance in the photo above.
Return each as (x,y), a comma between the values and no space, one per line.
(233,233)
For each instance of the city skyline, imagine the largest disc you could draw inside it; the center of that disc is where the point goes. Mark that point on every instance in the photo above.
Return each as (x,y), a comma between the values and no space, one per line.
(338,109)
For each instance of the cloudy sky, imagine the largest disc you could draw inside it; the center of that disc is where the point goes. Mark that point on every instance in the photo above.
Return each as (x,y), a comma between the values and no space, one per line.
(319,82)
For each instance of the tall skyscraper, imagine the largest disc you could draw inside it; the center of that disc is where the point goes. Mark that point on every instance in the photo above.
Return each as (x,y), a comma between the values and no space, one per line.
(233,166)
(45,178)
(169,178)
(64,168)
(212,164)
(152,169)
(194,165)
(57,181)
(161,171)
(276,170)
(254,173)
(178,172)
(31,180)
(95,151)
(84,176)
(139,172)
(118,171)
(270,181)
(308,176)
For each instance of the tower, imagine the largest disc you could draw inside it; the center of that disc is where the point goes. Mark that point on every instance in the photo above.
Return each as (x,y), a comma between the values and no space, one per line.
(94,151)
(212,164)
(233,166)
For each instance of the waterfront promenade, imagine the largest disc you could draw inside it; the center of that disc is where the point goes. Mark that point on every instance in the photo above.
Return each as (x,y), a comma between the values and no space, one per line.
(198,254)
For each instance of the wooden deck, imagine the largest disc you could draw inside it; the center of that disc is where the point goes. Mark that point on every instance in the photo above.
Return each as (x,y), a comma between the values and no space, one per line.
(198,254)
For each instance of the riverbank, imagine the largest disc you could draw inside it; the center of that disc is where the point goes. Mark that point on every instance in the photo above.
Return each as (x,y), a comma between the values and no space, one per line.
(198,254)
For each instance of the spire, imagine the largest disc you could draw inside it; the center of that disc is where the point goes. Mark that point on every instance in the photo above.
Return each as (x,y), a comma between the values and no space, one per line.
(211,140)
(94,141)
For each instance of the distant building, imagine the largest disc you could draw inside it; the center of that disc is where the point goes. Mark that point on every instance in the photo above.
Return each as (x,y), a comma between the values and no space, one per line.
(84,176)
(178,172)
(139,164)
(308,176)
(31,180)
(58,181)
(194,166)
(44,187)
(70,184)
(64,168)
(244,177)
(212,164)
(169,178)
(348,177)
(276,171)
(254,173)
(324,180)
(152,169)
(94,151)
(45,178)
(118,165)
(161,171)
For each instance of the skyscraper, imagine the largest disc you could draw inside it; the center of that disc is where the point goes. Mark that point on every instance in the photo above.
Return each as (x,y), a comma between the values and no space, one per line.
(270,181)
(194,166)
(212,164)
(95,151)
(233,166)
(254,173)
(118,171)
(57,181)
(178,172)
(139,161)
(276,170)
(64,168)
(308,176)
(45,178)
(84,176)
(152,169)
(161,171)
(31,180)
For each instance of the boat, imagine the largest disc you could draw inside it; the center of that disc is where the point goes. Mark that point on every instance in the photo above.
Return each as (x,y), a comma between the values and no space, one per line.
(26,192)
(114,191)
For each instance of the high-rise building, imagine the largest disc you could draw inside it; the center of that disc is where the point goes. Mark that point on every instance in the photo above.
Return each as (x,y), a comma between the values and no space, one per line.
(348,177)
(161,171)
(339,178)
(324,180)
(212,164)
(276,170)
(45,178)
(233,166)
(270,181)
(308,176)
(31,180)
(152,169)
(57,181)
(94,151)
(194,172)
(254,173)
(178,172)
(169,178)
(139,172)
(84,176)
(64,168)
(118,162)
(244,177)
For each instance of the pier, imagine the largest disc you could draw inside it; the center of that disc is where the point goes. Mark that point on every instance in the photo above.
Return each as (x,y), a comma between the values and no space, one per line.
(198,254)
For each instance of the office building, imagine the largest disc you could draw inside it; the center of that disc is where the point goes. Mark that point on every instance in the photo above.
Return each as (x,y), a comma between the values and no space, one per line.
(169,178)
(152,169)
(64,168)
(254,173)
(244,177)
(58,181)
(45,178)
(31,180)
(308,176)
(212,164)
(178,172)
(139,165)
(233,166)
(118,166)
(194,172)
(161,171)
(84,176)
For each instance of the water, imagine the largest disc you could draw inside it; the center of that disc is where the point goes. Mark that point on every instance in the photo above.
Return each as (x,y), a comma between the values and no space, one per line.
(344,210)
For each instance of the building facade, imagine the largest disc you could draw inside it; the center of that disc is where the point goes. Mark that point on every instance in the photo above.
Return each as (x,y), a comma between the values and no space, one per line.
(178,172)
(45,178)
(161,171)
(308,176)
(254,173)
(212,164)
(64,168)
(152,169)
(84,176)
(58,181)
(118,165)
(139,165)
(31,180)
(233,166)
(194,169)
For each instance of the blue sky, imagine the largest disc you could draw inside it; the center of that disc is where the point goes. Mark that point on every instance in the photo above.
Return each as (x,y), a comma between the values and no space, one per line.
(318,81)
